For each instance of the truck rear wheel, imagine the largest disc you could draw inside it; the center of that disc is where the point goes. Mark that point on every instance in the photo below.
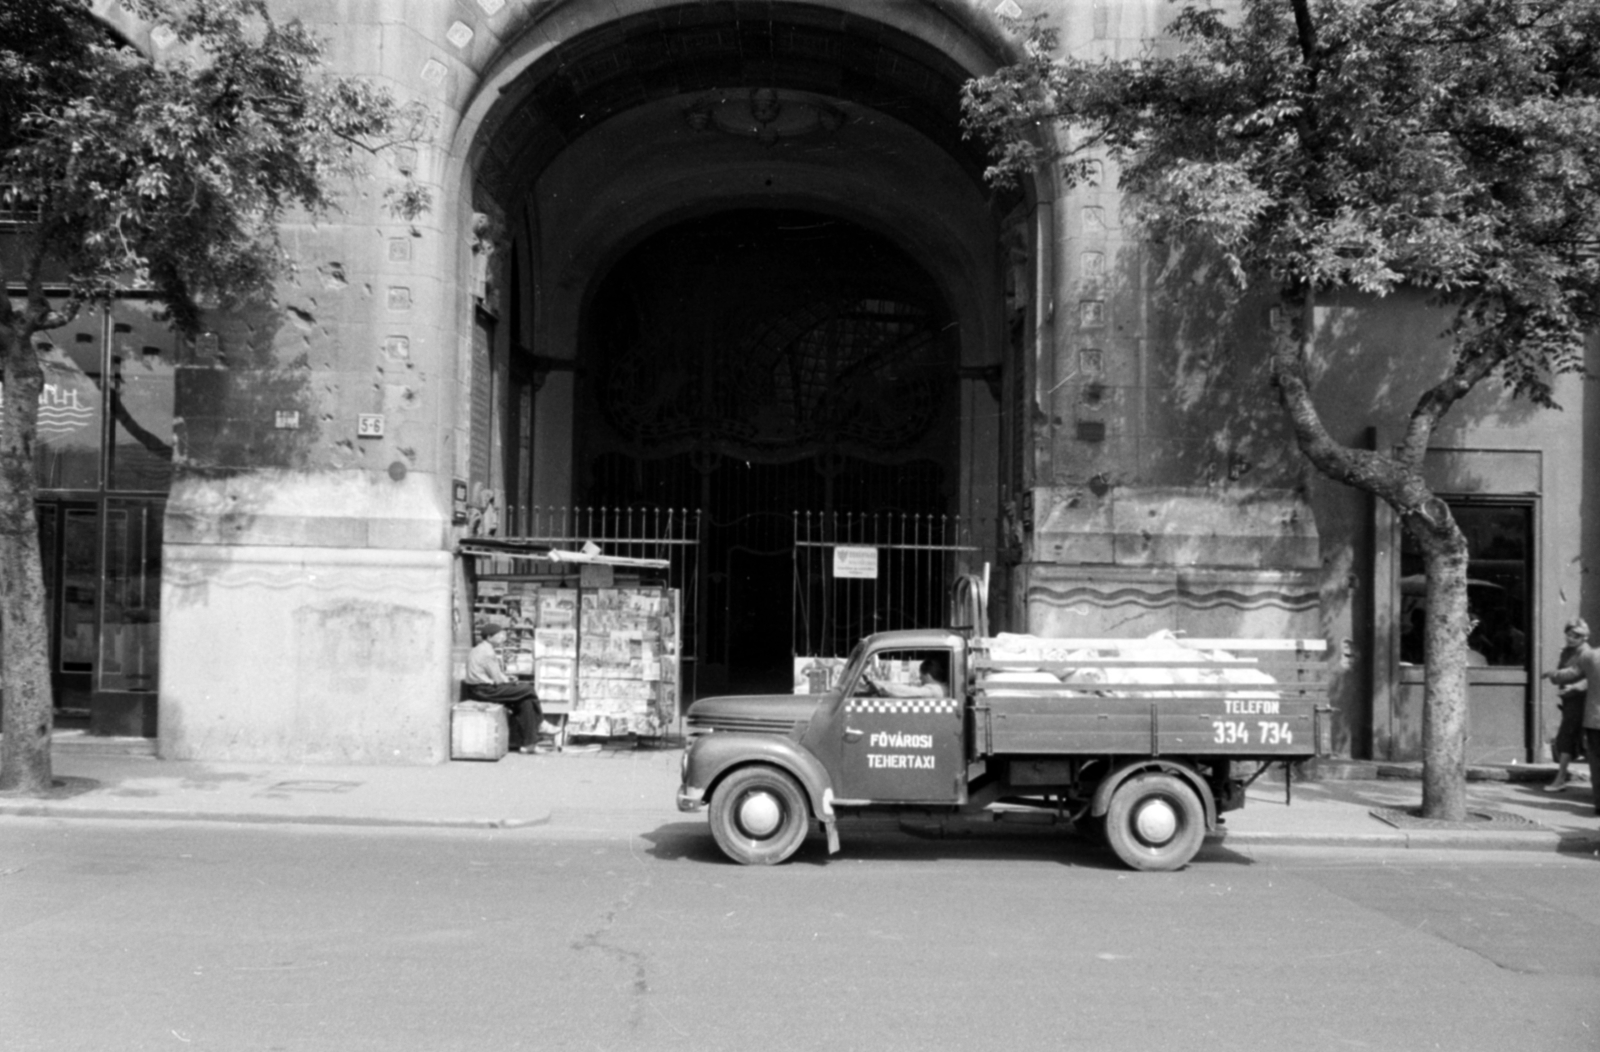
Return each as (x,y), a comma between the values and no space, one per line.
(1155,822)
(759,816)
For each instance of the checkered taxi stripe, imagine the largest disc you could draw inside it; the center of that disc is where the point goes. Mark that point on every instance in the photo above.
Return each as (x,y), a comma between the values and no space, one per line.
(903,706)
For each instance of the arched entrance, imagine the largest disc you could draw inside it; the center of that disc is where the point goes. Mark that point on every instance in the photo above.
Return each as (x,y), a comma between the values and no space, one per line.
(753,363)
(755,271)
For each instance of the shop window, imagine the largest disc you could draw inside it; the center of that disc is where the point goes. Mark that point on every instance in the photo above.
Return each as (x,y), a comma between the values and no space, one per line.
(72,446)
(1499,585)
(67,455)
(79,584)
(143,365)
(130,616)
(103,462)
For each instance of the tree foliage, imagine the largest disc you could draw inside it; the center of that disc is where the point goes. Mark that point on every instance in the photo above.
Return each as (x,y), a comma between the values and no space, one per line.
(175,174)
(1451,146)
(168,173)
(1366,144)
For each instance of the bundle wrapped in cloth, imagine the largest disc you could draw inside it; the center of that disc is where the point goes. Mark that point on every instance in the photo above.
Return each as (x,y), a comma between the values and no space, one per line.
(1159,658)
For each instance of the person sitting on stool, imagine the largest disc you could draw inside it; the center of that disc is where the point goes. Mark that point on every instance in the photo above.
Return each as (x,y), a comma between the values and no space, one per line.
(486,680)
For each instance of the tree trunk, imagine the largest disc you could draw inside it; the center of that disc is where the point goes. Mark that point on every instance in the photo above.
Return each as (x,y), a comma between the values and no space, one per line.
(1444,706)
(1397,480)
(27,705)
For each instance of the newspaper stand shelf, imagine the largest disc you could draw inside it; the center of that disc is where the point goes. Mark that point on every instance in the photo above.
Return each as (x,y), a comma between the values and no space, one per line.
(598,635)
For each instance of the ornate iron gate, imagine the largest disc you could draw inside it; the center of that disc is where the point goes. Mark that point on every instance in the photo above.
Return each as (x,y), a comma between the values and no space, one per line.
(731,579)
(861,573)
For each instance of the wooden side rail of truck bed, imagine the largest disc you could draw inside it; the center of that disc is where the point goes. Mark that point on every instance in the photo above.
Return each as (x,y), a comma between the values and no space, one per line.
(1236,698)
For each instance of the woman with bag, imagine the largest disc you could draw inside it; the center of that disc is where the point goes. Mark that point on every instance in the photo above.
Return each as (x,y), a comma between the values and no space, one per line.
(1580,722)
(1568,742)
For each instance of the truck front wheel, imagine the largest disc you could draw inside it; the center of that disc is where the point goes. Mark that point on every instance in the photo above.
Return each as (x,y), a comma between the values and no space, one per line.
(759,816)
(1155,822)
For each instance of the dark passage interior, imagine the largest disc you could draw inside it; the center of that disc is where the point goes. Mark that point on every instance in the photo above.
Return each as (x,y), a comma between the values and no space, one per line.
(752,364)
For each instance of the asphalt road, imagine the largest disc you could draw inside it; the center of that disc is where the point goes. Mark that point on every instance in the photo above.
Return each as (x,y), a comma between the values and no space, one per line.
(137,935)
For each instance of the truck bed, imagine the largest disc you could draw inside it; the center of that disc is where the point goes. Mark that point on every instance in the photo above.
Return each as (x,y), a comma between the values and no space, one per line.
(1240,699)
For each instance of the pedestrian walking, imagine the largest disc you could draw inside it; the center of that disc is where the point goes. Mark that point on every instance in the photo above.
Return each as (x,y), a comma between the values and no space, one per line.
(1585,666)
(1568,742)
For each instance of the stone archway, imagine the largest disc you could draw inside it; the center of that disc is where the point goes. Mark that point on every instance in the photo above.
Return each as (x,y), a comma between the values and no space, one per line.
(610,133)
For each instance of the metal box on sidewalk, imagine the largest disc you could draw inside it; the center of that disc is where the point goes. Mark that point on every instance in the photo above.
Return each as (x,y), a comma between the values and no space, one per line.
(478,731)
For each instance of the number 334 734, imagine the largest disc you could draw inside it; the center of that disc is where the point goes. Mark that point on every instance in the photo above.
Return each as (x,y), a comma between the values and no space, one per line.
(1237,732)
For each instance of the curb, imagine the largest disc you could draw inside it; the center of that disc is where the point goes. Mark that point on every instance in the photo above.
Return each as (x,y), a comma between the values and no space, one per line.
(1337,770)
(256,818)
(80,743)
(1543,840)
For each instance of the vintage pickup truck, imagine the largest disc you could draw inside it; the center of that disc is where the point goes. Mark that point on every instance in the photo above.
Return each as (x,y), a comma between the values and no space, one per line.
(1143,741)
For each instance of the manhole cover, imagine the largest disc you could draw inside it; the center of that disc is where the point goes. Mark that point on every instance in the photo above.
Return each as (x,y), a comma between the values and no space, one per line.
(1477,818)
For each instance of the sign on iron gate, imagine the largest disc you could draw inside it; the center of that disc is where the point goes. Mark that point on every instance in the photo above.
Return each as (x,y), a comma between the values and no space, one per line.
(857,573)
(854,562)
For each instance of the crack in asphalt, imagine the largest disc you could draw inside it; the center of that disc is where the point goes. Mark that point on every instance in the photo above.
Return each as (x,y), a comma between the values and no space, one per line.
(634,963)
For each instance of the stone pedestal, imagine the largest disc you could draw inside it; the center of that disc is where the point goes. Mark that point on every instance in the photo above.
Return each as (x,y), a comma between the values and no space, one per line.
(315,628)
(306,655)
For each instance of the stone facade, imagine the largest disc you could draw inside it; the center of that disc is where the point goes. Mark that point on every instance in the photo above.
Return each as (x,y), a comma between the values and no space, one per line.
(1125,434)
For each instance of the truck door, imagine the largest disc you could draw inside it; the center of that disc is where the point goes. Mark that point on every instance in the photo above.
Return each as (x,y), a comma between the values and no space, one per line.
(902,732)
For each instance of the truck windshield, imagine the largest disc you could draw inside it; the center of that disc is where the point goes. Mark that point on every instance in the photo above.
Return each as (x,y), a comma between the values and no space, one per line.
(852,668)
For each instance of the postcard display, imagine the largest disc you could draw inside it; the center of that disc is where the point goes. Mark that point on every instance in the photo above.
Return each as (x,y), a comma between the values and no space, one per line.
(606,657)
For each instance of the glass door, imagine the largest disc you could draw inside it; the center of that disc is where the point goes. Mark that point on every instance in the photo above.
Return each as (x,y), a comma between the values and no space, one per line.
(68,544)
(130,615)
(1500,575)
(130,619)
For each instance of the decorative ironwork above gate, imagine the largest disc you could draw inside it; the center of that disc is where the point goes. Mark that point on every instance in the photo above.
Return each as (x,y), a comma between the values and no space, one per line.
(856,375)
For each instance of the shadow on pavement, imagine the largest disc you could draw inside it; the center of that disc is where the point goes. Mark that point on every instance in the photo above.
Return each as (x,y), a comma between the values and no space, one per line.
(1217,851)
(62,787)
(1578,846)
(1572,803)
(885,842)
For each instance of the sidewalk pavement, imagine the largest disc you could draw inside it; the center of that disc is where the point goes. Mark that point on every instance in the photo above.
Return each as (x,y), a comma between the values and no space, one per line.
(632,787)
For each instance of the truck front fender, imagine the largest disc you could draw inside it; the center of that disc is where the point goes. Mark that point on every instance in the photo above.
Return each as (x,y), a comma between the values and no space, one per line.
(1109,784)
(712,758)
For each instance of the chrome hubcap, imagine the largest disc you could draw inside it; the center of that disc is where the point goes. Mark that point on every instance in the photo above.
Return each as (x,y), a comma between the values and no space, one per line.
(760,813)
(1155,821)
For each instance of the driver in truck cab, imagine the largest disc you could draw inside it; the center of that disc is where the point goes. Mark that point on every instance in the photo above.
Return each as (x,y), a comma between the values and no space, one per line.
(933,682)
